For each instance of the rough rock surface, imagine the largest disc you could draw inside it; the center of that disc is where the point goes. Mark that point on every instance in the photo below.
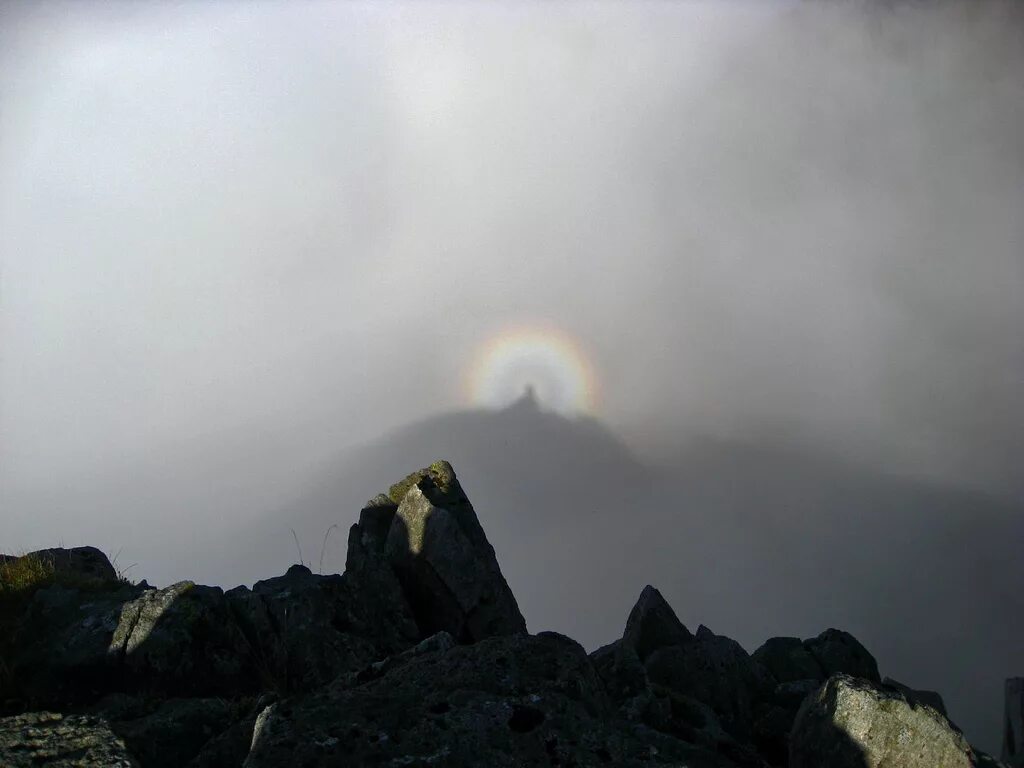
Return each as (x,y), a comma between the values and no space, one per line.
(652,624)
(297,629)
(788,659)
(418,655)
(839,652)
(82,562)
(445,564)
(717,671)
(855,723)
(513,700)
(182,641)
(53,740)
(914,696)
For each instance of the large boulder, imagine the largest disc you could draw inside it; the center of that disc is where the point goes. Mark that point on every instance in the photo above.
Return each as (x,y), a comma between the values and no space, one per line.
(651,624)
(444,562)
(508,701)
(851,722)
(52,740)
(84,564)
(1013,726)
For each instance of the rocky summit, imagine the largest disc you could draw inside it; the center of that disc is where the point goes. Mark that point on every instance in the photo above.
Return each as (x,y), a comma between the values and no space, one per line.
(418,655)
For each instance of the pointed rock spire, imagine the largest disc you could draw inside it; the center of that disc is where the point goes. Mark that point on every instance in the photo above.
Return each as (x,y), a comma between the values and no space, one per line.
(444,562)
(652,624)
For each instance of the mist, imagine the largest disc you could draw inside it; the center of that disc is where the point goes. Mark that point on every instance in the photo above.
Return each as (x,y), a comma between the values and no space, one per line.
(241,245)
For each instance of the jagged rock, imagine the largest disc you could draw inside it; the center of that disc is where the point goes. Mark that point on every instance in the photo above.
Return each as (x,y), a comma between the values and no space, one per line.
(1013,727)
(377,605)
(182,641)
(626,683)
(445,564)
(839,652)
(623,676)
(418,655)
(788,659)
(296,628)
(504,701)
(716,671)
(652,624)
(914,696)
(52,740)
(855,723)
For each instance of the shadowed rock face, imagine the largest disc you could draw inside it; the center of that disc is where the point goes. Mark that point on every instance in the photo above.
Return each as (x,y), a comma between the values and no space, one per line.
(652,624)
(445,564)
(788,660)
(1013,729)
(418,655)
(928,698)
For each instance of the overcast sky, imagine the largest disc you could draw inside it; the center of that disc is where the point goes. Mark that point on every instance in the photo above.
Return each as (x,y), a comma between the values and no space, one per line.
(753,216)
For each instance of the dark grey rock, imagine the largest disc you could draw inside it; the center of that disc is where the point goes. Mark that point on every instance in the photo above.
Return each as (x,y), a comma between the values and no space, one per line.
(228,749)
(652,624)
(716,671)
(378,608)
(86,563)
(298,629)
(183,641)
(52,740)
(793,693)
(1013,723)
(512,700)
(446,566)
(788,659)
(773,718)
(623,676)
(852,722)
(59,652)
(175,731)
(839,652)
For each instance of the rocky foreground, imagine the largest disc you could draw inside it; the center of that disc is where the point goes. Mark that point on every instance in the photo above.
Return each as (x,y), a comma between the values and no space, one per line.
(418,655)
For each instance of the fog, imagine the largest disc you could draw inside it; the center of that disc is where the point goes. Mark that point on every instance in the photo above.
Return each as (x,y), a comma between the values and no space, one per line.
(242,244)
